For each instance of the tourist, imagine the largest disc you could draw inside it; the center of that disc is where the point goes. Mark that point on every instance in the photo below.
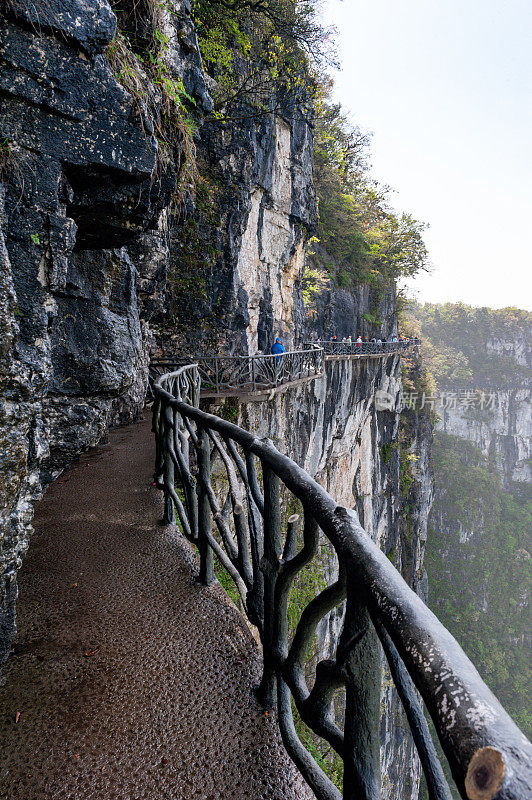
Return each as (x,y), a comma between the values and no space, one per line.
(278,349)
(359,343)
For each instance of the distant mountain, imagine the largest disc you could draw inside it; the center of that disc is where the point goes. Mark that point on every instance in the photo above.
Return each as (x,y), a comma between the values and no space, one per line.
(478,554)
(467,347)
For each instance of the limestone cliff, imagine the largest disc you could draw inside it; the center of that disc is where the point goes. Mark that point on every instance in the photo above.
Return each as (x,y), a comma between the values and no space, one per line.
(245,242)
(502,430)
(83,206)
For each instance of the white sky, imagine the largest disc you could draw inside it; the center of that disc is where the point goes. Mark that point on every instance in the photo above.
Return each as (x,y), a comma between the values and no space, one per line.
(445,86)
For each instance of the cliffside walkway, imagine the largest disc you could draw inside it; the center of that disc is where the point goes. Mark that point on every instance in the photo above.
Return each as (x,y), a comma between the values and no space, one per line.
(130,681)
(263,372)
(239,499)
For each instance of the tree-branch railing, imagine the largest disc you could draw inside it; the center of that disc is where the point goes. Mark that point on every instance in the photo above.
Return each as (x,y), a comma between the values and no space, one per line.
(337,347)
(256,373)
(246,527)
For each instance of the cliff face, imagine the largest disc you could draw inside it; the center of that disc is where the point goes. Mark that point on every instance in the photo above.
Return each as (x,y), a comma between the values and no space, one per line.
(73,352)
(245,242)
(84,206)
(343,312)
(499,422)
(502,430)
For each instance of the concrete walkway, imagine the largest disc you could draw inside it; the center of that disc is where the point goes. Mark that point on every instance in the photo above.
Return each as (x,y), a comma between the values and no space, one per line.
(129,681)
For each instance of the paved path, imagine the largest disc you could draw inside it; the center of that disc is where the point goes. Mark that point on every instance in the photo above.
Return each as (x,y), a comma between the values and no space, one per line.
(131,681)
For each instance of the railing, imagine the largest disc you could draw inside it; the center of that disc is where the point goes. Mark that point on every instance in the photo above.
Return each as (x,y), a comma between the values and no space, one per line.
(264,546)
(335,347)
(225,374)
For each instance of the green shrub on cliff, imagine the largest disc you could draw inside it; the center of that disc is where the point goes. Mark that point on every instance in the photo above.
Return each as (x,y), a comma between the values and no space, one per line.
(139,58)
(262,55)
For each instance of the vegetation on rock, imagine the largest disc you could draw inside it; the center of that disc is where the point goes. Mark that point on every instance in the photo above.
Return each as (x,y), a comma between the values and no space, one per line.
(365,239)
(267,55)
(479,564)
(139,57)
(461,343)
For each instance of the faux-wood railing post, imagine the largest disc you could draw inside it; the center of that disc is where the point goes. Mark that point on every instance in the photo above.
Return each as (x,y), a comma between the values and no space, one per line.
(206,575)
(159,445)
(272,555)
(167,435)
(362,670)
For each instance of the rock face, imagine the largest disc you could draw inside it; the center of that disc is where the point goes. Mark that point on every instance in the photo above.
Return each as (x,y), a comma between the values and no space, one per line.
(499,421)
(502,430)
(97,272)
(77,174)
(344,313)
(236,265)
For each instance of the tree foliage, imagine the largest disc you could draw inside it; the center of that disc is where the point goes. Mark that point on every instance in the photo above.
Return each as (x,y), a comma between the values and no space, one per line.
(367,240)
(266,54)
(479,567)
(465,346)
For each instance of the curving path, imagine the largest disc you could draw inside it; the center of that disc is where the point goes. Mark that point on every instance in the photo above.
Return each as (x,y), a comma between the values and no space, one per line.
(129,681)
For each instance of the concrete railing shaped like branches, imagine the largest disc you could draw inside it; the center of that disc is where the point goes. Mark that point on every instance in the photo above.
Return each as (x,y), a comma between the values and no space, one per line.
(251,529)
(249,374)
(335,347)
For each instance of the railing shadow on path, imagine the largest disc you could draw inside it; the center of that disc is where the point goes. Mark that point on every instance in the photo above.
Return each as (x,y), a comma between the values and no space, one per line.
(264,550)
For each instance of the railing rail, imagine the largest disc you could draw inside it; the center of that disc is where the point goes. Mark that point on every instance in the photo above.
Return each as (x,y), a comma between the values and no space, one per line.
(225,374)
(335,347)
(263,551)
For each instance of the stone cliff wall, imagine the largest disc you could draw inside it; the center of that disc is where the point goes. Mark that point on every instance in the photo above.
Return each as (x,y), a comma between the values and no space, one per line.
(245,243)
(500,426)
(502,430)
(76,162)
(84,211)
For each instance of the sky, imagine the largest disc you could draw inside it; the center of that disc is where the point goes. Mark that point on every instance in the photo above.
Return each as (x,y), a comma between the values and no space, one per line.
(445,86)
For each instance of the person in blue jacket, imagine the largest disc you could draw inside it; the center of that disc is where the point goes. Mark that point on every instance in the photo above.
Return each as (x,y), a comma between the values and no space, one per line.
(277,348)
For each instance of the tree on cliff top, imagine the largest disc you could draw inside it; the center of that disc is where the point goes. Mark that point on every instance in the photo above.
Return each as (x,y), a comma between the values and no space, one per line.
(367,241)
(263,55)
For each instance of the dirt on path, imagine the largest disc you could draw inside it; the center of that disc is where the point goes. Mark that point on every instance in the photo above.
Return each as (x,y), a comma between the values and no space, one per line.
(129,681)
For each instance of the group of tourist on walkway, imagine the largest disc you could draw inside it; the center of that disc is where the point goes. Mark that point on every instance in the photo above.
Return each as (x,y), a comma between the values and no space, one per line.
(278,347)
(359,341)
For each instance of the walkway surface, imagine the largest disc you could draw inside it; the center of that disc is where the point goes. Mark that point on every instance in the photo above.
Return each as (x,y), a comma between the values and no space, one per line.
(129,681)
